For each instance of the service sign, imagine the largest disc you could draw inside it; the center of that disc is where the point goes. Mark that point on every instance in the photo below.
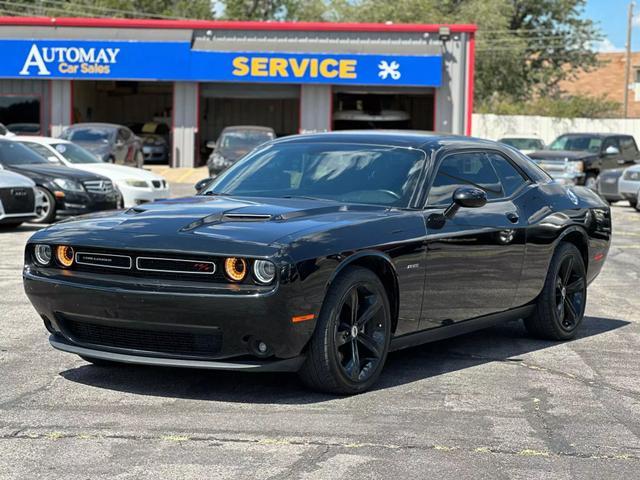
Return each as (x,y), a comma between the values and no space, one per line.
(176,61)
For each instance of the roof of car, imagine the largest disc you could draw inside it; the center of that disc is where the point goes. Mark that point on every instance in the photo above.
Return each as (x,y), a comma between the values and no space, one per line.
(96,124)
(248,127)
(595,134)
(37,139)
(402,138)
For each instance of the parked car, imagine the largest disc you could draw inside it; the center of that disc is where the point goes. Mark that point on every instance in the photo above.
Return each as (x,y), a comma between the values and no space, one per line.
(17,199)
(60,190)
(376,118)
(579,158)
(234,143)
(608,185)
(322,253)
(156,141)
(135,185)
(24,128)
(629,185)
(109,142)
(4,131)
(525,143)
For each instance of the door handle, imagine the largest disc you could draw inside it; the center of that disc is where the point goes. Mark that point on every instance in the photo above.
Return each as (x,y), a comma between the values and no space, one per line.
(513,217)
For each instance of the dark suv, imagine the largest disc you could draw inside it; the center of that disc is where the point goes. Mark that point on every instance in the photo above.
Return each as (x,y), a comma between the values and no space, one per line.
(578,158)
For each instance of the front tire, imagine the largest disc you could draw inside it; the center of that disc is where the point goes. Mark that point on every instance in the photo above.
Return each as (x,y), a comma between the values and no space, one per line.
(351,340)
(560,307)
(45,206)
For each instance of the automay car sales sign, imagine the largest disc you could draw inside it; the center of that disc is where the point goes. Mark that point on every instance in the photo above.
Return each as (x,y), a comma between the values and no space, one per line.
(177,61)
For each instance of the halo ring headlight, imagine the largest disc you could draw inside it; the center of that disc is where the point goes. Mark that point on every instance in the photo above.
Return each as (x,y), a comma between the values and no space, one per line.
(42,254)
(235,268)
(65,255)
(264,271)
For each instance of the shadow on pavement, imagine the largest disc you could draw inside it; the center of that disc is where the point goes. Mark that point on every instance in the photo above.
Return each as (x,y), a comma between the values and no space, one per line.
(25,227)
(501,343)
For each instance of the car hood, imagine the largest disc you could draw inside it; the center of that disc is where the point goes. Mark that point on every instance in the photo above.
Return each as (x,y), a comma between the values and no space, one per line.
(12,179)
(118,172)
(95,147)
(209,225)
(561,155)
(43,172)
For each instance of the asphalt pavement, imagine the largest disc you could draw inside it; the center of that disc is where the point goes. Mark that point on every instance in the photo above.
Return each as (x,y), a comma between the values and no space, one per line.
(493,404)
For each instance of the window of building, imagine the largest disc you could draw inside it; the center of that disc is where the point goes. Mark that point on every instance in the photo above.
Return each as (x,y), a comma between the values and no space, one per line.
(20,113)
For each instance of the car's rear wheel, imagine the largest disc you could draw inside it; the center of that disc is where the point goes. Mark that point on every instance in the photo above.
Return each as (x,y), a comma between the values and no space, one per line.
(560,307)
(45,206)
(351,340)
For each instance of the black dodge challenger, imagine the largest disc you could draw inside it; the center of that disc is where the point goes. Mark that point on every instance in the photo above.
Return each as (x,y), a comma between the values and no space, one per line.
(322,253)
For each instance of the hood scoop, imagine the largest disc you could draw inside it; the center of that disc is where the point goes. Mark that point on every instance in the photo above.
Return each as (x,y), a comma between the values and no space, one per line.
(246,217)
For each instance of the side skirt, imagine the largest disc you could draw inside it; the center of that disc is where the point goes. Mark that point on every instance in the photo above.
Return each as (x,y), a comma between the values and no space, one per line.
(448,331)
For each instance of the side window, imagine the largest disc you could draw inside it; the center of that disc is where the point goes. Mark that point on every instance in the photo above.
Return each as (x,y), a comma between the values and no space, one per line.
(610,142)
(42,151)
(464,169)
(629,148)
(510,177)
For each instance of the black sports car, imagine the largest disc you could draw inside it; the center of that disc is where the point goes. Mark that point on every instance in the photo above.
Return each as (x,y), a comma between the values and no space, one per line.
(322,253)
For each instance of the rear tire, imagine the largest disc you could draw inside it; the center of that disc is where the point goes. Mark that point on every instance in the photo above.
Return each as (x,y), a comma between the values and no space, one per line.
(560,306)
(634,203)
(351,340)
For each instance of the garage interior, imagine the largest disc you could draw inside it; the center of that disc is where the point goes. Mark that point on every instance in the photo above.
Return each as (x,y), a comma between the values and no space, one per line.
(366,108)
(226,105)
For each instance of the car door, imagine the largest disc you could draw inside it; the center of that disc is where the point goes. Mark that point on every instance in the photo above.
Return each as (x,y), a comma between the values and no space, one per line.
(474,260)
(611,160)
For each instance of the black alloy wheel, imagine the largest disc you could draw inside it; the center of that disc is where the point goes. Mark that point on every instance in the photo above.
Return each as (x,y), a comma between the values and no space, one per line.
(351,339)
(561,304)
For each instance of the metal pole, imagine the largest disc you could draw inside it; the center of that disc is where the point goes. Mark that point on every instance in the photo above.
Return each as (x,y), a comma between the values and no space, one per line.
(627,69)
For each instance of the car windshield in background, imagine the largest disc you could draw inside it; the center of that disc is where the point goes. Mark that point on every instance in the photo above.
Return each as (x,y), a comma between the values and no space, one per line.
(244,140)
(574,143)
(88,135)
(523,143)
(377,175)
(15,154)
(75,153)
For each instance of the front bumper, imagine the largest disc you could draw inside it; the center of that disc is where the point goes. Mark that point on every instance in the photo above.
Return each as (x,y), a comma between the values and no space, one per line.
(79,203)
(133,196)
(155,154)
(172,324)
(628,188)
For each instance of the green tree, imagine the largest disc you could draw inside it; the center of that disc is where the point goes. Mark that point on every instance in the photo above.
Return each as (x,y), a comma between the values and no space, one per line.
(292,10)
(201,9)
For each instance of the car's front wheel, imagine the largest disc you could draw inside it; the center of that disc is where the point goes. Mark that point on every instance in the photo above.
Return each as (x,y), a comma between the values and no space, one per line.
(45,206)
(351,340)
(560,307)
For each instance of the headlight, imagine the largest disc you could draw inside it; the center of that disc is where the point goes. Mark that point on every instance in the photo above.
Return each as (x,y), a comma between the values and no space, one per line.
(42,254)
(136,183)
(264,271)
(68,185)
(64,255)
(575,167)
(235,268)
(634,176)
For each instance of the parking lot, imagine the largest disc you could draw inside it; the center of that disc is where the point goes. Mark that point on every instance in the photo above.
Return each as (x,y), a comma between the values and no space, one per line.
(494,404)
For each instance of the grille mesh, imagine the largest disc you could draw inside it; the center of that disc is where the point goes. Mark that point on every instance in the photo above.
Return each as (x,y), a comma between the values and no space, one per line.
(167,342)
(98,186)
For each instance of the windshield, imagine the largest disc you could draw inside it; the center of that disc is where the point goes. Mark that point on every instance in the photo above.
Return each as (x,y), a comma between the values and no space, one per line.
(573,143)
(244,140)
(75,154)
(15,154)
(88,135)
(378,175)
(523,143)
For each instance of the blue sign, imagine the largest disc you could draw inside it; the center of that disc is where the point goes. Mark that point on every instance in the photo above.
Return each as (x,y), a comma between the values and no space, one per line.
(177,61)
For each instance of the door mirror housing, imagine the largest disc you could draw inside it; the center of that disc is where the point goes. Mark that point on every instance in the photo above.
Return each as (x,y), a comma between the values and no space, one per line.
(467,197)
(211,144)
(611,150)
(202,184)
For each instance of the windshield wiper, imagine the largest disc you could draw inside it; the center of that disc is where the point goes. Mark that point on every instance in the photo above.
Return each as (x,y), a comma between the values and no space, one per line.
(307,197)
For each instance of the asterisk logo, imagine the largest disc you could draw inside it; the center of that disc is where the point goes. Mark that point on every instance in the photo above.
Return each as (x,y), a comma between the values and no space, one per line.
(389,70)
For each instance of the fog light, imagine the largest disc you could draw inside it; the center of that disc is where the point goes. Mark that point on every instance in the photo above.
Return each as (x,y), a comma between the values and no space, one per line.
(262,347)
(64,254)
(264,271)
(43,254)
(235,268)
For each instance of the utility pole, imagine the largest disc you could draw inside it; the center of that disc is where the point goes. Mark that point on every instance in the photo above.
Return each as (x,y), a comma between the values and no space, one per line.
(627,69)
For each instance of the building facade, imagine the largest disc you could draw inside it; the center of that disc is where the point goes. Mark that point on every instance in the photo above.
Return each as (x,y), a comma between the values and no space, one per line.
(201,76)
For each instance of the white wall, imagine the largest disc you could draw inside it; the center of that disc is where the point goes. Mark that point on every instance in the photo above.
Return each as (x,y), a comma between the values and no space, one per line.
(494,127)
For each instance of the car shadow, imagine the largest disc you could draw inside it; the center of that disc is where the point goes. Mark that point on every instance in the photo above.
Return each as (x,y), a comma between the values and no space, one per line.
(25,227)
(501,343)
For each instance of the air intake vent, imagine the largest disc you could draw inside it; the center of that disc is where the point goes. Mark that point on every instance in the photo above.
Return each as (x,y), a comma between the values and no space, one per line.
(245,217)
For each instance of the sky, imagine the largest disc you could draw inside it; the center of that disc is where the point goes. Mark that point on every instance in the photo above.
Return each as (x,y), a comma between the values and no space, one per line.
(611,16)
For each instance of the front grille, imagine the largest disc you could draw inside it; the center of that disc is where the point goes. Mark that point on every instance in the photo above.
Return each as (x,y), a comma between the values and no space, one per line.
(17,200)
(98,186)
(156,341)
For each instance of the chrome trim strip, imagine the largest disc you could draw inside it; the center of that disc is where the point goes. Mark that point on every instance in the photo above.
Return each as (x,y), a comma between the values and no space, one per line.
(104,255)
(174,260)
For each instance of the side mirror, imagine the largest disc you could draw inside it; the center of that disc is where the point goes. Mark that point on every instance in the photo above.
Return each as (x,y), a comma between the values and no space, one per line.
(467,197)
(202,184)
(611,150)
(119,144)
(211,144)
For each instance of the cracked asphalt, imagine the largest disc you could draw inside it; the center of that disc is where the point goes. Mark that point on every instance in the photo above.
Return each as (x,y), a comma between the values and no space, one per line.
(493,404)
